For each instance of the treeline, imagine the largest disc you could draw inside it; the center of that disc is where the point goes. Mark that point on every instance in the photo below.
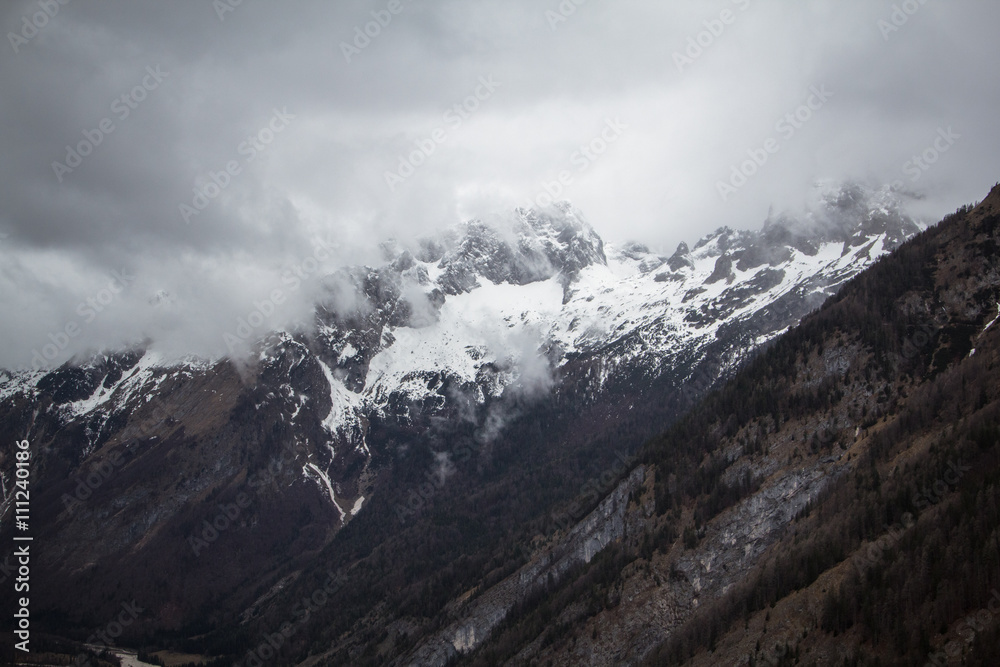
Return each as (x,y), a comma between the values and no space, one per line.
(472,532)
(479,526)
(919,543)
(918,553)
(927,556)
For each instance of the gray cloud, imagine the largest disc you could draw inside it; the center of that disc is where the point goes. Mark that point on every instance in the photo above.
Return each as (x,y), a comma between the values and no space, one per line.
(324,173)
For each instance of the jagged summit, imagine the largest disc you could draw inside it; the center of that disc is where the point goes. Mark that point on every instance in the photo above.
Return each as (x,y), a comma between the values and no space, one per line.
(848,213)
(890,384)
(528,247)
(579,293)
(454,337)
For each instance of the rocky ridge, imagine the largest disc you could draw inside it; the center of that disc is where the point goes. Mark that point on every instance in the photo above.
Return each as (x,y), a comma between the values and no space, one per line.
(460,328)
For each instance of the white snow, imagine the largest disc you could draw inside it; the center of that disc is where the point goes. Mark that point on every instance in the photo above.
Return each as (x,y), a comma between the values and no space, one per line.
(15,382)
(505,326)
(499,319)
(323,480)
(130,658)
(132,380)
(343,403)
(503,323)
(986,328)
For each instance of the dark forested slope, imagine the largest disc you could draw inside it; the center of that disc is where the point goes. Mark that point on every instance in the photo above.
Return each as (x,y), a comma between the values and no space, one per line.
(838,502)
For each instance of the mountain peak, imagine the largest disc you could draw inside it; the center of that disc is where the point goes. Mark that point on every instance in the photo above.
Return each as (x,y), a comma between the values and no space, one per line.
(850,213)
(528,247)
(846,212)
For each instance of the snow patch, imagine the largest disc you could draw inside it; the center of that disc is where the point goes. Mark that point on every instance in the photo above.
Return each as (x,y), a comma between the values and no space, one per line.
(322,479)
(986,328)
(343,403)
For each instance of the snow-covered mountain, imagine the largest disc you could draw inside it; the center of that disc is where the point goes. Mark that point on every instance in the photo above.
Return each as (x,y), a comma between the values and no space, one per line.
(467,328)
(525,308)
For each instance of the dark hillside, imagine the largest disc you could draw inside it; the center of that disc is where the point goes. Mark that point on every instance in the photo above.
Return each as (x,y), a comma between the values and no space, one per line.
(838,499)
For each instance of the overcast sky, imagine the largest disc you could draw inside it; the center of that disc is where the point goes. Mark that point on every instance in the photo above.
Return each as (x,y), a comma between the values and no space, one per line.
(115,114)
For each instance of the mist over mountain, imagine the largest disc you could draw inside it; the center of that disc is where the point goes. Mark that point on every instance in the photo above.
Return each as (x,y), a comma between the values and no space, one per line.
(836,502)
(479,358)
(301,136)
(498,332)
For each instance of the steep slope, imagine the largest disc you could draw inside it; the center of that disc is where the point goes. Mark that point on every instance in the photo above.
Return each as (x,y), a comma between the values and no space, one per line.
(522,355)
(465,493)
(837,502)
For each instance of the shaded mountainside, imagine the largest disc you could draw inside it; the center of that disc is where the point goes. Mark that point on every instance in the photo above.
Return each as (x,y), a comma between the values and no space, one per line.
(454,541)
(836,503)
(416,439)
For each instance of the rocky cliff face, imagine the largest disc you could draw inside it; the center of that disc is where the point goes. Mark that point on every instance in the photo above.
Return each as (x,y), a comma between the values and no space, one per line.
(534,246)
(461,333)
(476,620)
(811,505)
